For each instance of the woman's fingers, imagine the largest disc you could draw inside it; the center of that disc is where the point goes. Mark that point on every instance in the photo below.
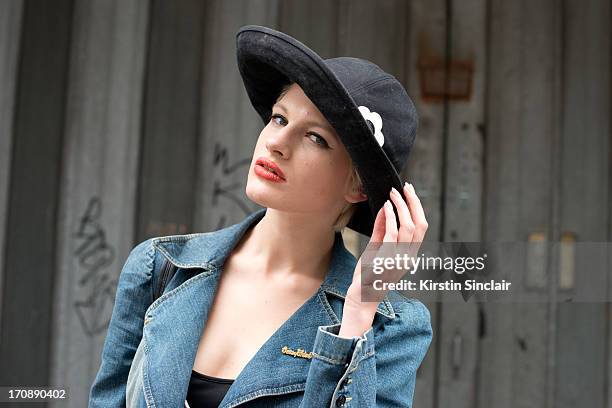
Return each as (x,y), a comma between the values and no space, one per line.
(413,224)
(406,229)
(378,232)
(411,230)
(390,224)
(417,212)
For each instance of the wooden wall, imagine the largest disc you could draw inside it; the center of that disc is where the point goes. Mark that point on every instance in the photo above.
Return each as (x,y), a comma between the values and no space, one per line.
(10,26)
(548,171)
(35,137)
(99,181)
(122,120)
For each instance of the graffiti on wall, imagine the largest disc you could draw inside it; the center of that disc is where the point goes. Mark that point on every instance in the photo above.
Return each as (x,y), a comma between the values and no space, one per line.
(227,195)
(94,256)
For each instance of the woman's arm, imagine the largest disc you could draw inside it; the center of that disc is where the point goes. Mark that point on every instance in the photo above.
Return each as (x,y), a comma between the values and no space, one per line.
(133,297)
(384,377)
(374,370)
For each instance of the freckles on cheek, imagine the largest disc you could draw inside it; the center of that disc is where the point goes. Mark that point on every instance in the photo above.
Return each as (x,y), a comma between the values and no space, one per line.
(322,176)
(308,168)
(318,174)
(311,178)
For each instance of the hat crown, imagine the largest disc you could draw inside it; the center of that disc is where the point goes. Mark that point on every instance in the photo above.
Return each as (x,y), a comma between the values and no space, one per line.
(389,111)
(355,73)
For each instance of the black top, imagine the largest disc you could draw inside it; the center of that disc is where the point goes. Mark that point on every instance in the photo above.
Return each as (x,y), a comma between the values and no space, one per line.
(205,391)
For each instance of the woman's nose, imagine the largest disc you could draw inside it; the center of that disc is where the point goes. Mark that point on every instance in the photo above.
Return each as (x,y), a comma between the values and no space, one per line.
(280,142)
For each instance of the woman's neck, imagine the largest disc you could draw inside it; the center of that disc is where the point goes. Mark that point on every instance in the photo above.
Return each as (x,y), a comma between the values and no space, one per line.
(289,243)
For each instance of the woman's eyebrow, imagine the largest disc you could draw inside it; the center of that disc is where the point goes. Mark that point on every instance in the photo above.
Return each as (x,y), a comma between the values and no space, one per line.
(329,129)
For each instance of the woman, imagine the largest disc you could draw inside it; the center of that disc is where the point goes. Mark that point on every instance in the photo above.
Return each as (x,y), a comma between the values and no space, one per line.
(268,312)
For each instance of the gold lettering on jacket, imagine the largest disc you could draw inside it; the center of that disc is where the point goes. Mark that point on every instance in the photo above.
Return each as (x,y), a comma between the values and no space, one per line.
(296,353)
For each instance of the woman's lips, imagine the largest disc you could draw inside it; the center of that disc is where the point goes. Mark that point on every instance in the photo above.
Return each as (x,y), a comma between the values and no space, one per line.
(269,170)
(262,172)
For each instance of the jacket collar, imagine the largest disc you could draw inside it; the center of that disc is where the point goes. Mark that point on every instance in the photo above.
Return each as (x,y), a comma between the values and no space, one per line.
(210,250)
(174,322)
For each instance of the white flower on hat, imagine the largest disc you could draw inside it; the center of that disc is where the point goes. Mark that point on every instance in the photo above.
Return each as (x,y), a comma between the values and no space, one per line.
(376,121)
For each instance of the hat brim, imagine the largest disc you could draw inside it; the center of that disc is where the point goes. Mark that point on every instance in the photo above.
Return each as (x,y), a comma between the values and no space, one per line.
(268,60)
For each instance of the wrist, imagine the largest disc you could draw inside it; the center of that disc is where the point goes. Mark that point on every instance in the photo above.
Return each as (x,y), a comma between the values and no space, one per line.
(354,305)
(356,320)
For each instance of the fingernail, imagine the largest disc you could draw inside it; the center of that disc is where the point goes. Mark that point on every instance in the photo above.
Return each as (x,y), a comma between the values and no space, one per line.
(406,185)
(411,187)
(393,190)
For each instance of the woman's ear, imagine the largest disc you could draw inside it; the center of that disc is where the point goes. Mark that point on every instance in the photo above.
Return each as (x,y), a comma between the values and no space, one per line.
(356,195)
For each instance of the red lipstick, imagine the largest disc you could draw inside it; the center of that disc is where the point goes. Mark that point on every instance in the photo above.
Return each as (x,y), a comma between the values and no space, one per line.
(268,170)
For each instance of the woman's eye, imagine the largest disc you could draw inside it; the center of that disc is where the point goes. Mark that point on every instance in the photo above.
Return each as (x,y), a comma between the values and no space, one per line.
(281,121)
(278,119)
(318,139)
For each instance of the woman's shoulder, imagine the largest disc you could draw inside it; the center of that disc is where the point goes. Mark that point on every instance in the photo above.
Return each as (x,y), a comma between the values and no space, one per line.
(196,249)
(408,335)
(184,250)
(151,247)
(410,314)
(227,232)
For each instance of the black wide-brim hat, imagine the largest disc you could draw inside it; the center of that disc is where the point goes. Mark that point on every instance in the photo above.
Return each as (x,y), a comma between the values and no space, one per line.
(369,108)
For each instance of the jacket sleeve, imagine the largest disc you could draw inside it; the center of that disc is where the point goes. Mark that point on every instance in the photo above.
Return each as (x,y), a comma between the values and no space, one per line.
(133,297)
(374,370)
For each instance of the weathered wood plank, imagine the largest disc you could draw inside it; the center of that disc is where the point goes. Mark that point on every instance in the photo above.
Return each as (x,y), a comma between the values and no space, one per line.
(375,31)
(535,324)
(585,192)
(29,264)
(10,38)
(503,163)
(524,72)
(426,19)
(171,119)
(315,23)
(99,183)
(459,339)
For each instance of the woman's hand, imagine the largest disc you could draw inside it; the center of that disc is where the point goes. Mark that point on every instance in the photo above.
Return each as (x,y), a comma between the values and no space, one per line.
(357,315)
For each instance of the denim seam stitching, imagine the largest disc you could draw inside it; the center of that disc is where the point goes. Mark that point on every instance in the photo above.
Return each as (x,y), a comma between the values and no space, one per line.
(178,237)
(365,87)
(151,269)
(206,265)
(390,314)
(366,355)
(145,378)
(323,300)
(328,359)
(287,389)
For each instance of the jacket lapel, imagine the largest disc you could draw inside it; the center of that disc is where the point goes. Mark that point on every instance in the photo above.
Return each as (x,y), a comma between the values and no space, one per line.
(174,323)
(171,338)
(272,372)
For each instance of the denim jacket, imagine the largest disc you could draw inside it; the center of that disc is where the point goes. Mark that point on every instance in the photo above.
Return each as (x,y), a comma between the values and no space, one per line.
(150,347)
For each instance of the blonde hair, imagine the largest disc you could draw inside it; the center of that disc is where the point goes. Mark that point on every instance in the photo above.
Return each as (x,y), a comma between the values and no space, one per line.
(347,212)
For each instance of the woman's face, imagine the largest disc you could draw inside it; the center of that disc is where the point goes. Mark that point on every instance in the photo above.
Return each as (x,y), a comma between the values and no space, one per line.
(314,164)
